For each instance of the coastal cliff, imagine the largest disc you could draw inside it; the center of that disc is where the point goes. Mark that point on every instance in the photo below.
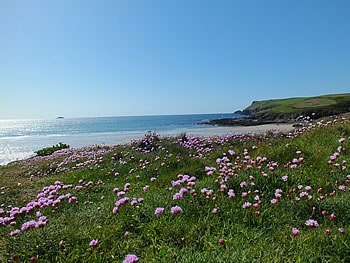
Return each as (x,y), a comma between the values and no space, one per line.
(288,110)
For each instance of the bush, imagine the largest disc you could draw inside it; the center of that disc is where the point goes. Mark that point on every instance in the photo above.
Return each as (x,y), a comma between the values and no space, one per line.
(50,150)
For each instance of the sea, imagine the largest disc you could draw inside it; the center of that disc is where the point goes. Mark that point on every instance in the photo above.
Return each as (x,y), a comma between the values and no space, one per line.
(19,139)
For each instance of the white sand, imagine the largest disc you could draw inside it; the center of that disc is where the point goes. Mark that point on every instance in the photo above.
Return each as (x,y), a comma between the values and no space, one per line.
(242,129)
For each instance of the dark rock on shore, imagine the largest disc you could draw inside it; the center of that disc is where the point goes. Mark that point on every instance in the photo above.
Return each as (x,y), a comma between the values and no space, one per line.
(239,112)
(246,121)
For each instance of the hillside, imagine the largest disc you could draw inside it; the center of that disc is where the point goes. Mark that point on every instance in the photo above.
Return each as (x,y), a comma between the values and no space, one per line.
(288,110)
(291,108)
(274,197)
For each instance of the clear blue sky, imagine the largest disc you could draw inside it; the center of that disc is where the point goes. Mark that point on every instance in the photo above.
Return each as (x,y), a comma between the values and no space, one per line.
(78,58)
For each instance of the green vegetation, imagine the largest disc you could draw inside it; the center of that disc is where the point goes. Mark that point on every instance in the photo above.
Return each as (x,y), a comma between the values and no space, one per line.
(50,150)
(319,106)
(274,197)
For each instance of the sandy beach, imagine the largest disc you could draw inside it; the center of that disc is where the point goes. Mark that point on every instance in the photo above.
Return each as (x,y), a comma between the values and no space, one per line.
(242,129)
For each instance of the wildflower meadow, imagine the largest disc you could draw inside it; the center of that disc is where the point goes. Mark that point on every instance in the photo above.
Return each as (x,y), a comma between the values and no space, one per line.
(267,197)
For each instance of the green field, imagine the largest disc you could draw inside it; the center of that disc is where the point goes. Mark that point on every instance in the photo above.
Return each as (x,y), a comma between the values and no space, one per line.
(274,197)
(319,106)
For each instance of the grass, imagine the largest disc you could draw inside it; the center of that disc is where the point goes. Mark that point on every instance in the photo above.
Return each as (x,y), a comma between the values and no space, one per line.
(283,180)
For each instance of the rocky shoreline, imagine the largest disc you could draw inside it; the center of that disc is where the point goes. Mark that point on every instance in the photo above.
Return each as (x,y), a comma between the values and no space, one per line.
(245,121)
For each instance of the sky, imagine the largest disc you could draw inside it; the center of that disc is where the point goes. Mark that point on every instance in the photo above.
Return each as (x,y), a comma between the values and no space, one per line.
(85,58)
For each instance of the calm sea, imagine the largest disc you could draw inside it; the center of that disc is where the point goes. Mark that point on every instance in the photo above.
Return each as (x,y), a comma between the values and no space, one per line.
(19,139)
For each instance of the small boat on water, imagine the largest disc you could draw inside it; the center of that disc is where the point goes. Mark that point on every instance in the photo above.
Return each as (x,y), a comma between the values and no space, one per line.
(60,117)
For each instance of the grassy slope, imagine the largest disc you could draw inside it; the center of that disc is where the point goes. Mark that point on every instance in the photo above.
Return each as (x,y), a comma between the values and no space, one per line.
(293,107)
(193,235)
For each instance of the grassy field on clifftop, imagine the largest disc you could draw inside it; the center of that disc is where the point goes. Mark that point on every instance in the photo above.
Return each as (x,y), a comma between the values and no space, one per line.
(274,197)
(320,106)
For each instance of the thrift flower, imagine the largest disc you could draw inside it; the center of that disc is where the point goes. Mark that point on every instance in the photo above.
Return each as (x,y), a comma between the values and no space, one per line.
(332,216)
(243,184)
(131,259)
(159,211)
(311,223)
(295,231)
(231,152)
(342,187)
(273,201)
(246,205)
(308,188)
(176,210)
(94,243)
(231,193)
(177,196)
(14,232)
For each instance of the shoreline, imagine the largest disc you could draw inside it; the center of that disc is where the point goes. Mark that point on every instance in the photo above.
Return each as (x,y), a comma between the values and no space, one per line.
(247,129)
(115,139)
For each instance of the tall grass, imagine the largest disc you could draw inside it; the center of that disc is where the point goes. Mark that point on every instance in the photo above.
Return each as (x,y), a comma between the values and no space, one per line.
(241,195)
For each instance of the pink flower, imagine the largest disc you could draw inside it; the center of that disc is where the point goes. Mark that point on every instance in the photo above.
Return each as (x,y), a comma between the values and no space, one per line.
(231,193)
(308,188)
(133,201)
(342,187)
(243,184)
(131,259)
(231,152)
(295,231)
(246,205)
(328,232)
(222,241)
(14,232)
(332,216)
(94,243)
(121,193)
(159,211)
(274,201)
(177,196)
(311,223)
(176,210)
(215,211)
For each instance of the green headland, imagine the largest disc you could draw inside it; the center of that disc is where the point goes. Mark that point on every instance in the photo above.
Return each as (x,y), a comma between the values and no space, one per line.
(290,109)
